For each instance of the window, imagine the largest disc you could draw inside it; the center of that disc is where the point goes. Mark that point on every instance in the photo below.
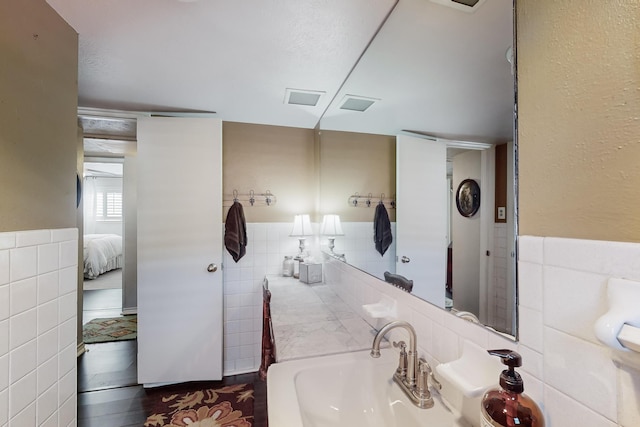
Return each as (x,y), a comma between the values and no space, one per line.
(108,206)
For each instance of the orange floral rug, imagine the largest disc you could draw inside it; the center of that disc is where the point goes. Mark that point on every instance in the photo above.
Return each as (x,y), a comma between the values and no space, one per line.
(229,406)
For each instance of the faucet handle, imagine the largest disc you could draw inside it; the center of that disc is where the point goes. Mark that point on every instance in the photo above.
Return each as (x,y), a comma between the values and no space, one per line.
(425,373)
(402,363)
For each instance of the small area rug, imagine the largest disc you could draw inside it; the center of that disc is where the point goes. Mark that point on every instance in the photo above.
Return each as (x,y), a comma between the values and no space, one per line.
(228,406)
(110,329)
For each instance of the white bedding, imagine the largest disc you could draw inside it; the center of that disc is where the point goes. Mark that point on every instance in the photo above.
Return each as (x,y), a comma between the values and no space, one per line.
(102,253)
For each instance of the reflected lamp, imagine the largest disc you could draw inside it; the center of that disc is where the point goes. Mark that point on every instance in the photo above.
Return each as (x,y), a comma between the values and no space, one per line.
(301,229)
(331,227)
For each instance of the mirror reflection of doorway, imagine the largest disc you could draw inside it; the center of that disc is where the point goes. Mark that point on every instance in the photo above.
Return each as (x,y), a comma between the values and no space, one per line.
(103,218)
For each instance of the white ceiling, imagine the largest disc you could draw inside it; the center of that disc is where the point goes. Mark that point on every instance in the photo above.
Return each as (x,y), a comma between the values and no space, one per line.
(436,69)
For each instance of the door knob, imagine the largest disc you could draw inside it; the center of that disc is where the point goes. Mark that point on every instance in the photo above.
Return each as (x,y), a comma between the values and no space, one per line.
(212,268)
(405,259)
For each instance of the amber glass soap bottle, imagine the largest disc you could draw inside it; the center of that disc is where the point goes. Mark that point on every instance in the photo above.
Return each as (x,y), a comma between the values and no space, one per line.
(507,405)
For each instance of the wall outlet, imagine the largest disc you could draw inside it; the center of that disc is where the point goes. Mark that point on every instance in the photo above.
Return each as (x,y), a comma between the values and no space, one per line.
(502,212)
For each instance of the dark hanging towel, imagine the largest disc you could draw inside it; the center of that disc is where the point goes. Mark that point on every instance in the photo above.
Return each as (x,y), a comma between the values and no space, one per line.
(235,232)
(382,229)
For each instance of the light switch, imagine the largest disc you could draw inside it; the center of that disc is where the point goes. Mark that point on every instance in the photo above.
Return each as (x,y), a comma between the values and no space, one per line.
(502,212)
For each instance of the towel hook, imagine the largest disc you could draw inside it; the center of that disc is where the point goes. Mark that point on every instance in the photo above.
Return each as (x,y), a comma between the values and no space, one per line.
(267,198)
(355,199)
(369,200)
(252,199)
(382,199)
(235,195)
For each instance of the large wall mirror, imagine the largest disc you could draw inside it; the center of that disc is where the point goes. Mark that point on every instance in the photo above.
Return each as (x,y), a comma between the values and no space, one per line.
(425,125)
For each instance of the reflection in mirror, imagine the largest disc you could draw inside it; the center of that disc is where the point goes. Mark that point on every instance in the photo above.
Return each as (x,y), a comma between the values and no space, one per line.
(436,95)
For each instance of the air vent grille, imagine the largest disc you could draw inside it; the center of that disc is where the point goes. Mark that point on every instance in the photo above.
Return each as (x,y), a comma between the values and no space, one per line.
(357,103)
(309,98)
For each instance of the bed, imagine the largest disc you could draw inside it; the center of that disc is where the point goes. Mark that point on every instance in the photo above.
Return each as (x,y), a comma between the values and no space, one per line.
(102,253)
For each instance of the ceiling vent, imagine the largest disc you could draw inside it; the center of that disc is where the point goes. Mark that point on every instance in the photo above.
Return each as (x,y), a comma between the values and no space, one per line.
(356,103)
(309,98)
(464,5)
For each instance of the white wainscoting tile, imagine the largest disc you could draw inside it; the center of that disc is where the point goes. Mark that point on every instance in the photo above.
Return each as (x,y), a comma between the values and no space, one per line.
(63,234)
(48,345)
(48,287)
(4,267)
(25,418)
(4,337)
(48,257)
(24,295)
(47,404)
(574,300)
(23,263)
(5,308)
(530,285)
(4,372)
(67,333)
(47,373)
(67,412)
(68,279)
(67,386)
(32,238)
(562,410)
(581,369)
(68,254)
(22,361)
(22,328)
(4,407)
(23,393)
(7,240)
(66,363)
(531,328)
(531,249)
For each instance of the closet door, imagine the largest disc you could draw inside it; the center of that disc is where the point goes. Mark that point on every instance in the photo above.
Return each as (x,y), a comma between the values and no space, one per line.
(180,295)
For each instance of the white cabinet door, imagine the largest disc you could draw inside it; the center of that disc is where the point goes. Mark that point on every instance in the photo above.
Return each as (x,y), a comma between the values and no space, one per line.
(421,216)
(180,309)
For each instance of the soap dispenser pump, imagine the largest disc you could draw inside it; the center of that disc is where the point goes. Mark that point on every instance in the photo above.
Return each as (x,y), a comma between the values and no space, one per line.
(507,405)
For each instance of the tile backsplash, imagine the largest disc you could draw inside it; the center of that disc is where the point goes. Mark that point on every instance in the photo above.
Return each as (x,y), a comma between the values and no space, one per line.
(38,325)
(562,292)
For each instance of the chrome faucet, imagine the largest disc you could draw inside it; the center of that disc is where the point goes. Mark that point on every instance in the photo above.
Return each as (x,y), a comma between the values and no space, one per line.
(409,367)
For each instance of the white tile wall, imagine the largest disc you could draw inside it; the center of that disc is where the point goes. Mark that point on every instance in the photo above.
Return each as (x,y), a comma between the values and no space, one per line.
(268,243)
(38,295)
(562,289)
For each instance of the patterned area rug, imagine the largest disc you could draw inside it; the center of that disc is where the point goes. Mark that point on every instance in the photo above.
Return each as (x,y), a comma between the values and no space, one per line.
(229,406)
(110,329)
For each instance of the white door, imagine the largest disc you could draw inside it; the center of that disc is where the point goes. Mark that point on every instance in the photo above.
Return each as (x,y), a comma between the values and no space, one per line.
(179,239)
(421,216)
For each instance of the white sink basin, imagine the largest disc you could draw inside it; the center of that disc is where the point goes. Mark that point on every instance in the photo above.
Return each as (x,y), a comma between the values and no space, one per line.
(349,389)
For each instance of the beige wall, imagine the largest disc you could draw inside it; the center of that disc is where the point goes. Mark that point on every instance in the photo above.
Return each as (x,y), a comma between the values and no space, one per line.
(355,163)
(579,118)
(308,171)
(274,158)
(38,110)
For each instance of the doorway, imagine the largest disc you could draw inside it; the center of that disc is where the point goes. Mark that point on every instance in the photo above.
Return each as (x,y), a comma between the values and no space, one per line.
(103,224)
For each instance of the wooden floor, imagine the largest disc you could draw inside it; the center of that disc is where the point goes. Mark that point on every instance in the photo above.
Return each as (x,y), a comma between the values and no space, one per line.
(109,396)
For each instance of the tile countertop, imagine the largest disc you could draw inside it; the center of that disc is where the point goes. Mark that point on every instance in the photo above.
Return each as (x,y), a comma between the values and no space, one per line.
(311,320)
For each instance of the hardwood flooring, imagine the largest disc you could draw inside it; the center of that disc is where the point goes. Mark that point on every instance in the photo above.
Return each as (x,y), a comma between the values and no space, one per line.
(108,393)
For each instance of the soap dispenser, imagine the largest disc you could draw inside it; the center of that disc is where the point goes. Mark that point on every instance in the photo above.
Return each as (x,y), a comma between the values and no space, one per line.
(507,405)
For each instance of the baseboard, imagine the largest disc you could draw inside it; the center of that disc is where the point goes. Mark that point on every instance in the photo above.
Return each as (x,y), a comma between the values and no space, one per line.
(81,349)
(129,310)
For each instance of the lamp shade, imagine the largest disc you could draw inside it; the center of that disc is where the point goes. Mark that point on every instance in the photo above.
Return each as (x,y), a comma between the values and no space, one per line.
(301,226)
(331,226)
